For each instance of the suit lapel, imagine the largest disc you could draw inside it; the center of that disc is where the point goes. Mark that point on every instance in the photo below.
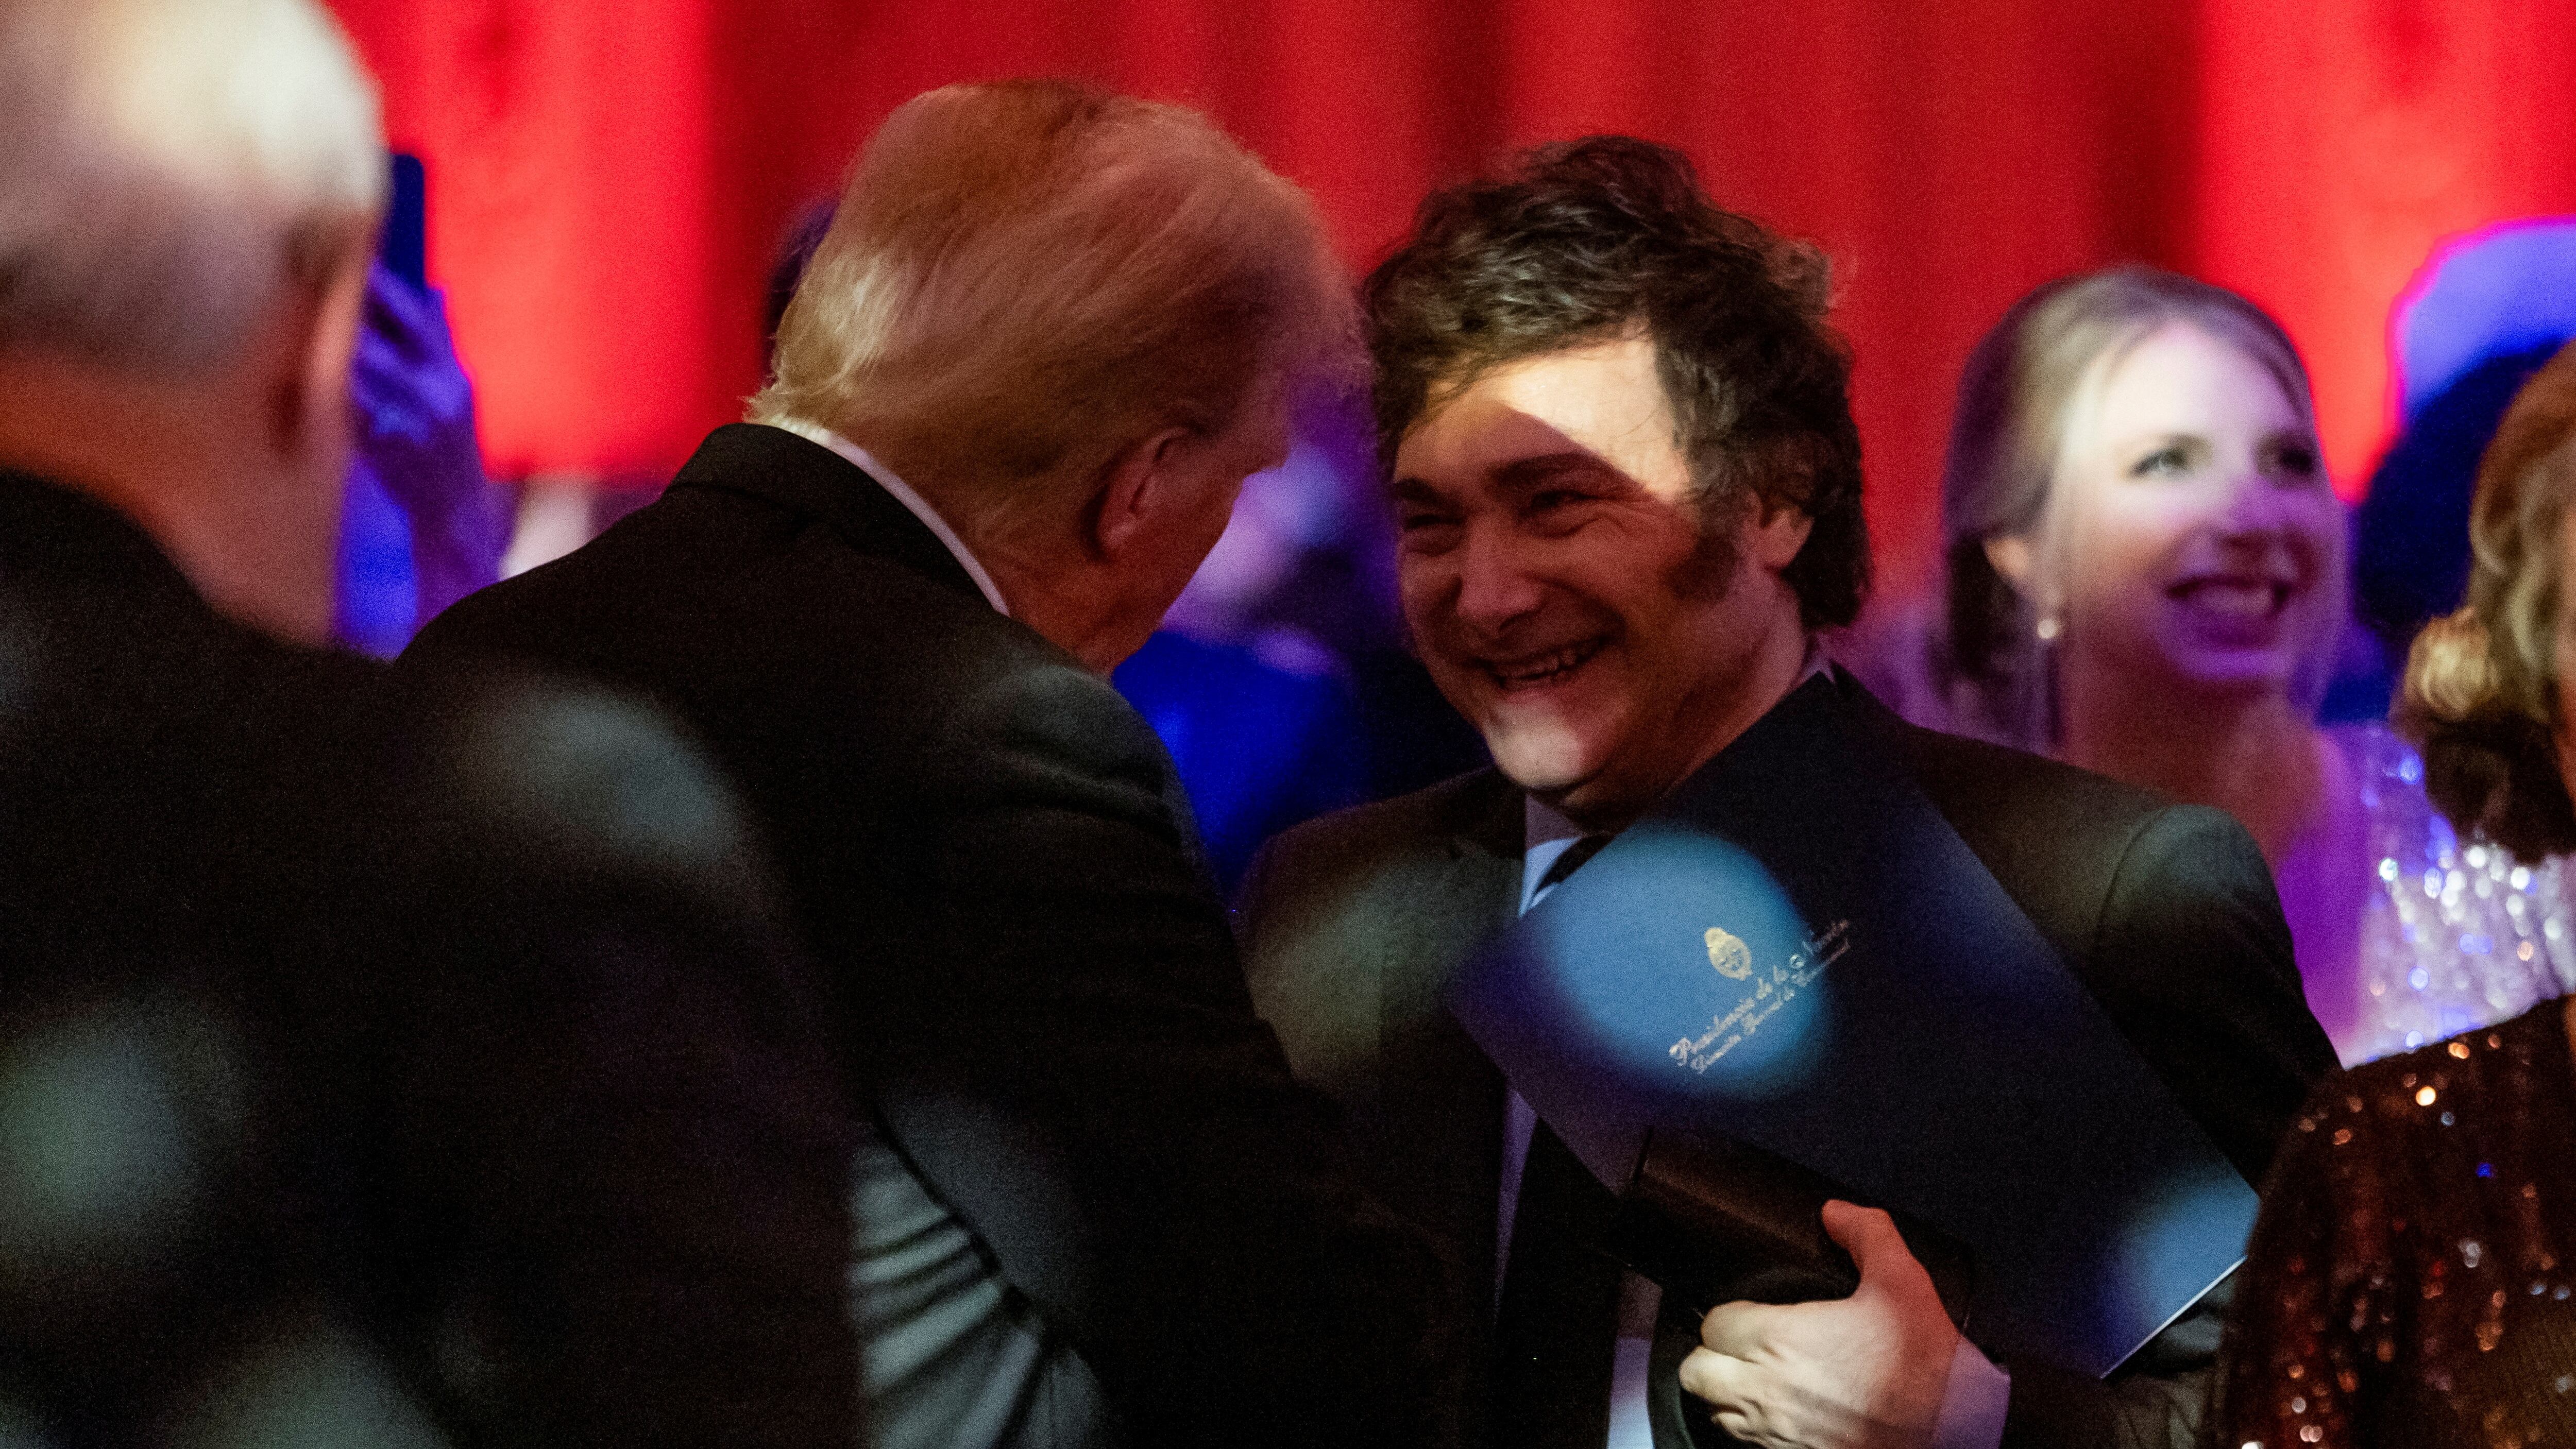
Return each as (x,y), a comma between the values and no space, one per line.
(1439,1107)
(1467,898)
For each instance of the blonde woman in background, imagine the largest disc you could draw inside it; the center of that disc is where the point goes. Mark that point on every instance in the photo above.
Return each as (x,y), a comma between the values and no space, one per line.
(2412,1279)
(2145,577)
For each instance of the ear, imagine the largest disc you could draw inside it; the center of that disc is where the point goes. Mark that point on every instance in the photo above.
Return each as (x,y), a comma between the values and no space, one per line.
(2011,557)
(308,399)
(1776,533)
(1138,487)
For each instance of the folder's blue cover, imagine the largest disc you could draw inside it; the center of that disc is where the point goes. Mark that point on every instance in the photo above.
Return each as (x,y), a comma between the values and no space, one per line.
(1797,950)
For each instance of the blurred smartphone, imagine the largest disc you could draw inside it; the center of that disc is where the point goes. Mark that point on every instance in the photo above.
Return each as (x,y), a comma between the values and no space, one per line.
(405,247)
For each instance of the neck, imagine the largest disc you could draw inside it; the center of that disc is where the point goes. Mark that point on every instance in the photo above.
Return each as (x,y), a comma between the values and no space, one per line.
(1736,704)
(1066,605)
(257,542)
(2247,752)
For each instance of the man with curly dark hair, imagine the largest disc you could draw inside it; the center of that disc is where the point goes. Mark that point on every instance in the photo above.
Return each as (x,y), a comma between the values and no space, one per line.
(1619,439)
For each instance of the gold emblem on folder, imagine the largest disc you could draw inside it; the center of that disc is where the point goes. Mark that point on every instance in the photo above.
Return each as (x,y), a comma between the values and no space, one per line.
(1728,953)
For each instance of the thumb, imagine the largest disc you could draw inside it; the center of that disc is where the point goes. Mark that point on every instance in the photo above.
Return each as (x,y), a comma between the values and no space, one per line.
(1876,1247)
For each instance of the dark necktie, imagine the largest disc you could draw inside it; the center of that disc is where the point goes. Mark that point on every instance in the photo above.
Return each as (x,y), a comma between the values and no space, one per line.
(1556,1331)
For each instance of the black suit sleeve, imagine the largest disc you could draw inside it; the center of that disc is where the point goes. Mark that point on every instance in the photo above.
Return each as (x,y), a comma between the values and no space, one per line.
(608,1103)
(1084,1051)
(2193,959)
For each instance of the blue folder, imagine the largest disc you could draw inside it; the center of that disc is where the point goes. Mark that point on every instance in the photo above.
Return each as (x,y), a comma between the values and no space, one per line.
(1797,951)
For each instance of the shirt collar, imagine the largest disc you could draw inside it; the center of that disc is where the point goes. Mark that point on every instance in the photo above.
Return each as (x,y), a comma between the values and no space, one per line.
(919,507)
(1546,834)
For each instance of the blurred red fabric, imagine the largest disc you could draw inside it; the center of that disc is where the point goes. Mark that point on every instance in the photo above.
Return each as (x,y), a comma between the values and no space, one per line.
(608,180)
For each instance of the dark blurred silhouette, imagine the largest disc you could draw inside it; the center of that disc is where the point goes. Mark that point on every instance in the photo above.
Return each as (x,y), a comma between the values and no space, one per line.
(381,1062)
(2411,531)
(2483,314)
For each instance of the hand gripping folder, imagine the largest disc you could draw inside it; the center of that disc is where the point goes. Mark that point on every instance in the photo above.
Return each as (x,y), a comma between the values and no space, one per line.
(1794,981)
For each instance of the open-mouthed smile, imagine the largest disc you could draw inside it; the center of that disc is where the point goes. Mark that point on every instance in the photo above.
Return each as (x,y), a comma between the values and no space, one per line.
(1537,671)
(2238,598)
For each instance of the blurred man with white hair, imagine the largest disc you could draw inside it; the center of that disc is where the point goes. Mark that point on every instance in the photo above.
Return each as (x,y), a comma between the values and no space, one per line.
(382,1062)
(1046,337)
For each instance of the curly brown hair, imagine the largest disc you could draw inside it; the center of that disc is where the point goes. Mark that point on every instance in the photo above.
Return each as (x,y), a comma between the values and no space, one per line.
(1606,236)
(2481,693)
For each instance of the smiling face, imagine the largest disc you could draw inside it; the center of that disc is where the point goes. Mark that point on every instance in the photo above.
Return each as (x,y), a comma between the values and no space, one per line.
(1563,594)
(2194,538)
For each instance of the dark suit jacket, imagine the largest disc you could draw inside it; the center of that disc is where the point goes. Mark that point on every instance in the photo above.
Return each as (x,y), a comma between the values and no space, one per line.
(421,1049)
(2165,912)
(1034,979)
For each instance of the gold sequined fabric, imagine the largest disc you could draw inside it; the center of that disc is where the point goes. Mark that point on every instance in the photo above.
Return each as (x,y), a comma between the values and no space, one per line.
(2409,1281)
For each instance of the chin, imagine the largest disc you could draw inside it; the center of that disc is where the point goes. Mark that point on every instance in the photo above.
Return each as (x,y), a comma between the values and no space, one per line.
(2250,670)
(1537,754)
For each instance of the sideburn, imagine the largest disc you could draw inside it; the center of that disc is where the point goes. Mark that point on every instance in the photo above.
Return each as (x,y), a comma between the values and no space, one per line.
(1708,572)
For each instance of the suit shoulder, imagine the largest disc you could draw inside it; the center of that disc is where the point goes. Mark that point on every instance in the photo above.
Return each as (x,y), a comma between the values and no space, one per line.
(1375,871)
(715,604)
(558,779)
(1039,706)
(2023,813)
(1429,820)
(2068,845)
(1974,780)
(2064,806)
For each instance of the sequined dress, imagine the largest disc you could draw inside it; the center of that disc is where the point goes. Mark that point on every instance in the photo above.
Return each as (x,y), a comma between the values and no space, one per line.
(2453,934)
(2409,1279)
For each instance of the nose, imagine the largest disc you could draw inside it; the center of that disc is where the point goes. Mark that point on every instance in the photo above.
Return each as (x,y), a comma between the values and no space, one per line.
(2255,507)
(1495,585)
(2263,524)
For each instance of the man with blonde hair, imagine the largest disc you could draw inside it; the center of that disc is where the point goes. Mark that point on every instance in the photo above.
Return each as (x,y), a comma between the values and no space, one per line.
(381,1063)
(1048,334)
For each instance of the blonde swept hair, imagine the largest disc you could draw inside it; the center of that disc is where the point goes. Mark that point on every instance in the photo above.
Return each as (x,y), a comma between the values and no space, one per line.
(169,167)
(2481,690)
(1024,278)
(2017,395)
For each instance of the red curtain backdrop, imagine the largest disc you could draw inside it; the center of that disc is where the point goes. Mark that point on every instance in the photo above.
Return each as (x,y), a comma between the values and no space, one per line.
(608,180)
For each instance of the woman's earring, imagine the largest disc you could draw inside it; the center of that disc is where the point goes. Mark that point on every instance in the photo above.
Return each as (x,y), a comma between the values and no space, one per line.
(2048,627)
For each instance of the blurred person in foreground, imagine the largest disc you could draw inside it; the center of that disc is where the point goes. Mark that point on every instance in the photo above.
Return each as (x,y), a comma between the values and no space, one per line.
(1045,338)
(2146,576)
(1628,488)
(380,1063)
(2410,1279)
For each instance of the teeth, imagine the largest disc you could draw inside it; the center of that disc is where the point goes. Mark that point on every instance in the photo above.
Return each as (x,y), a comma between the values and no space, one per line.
(1541,668)
(2241,599)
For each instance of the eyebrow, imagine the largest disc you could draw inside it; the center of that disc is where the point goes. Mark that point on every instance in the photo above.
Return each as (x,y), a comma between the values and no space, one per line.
(1526,473)
(1520,475)
(2158,441)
